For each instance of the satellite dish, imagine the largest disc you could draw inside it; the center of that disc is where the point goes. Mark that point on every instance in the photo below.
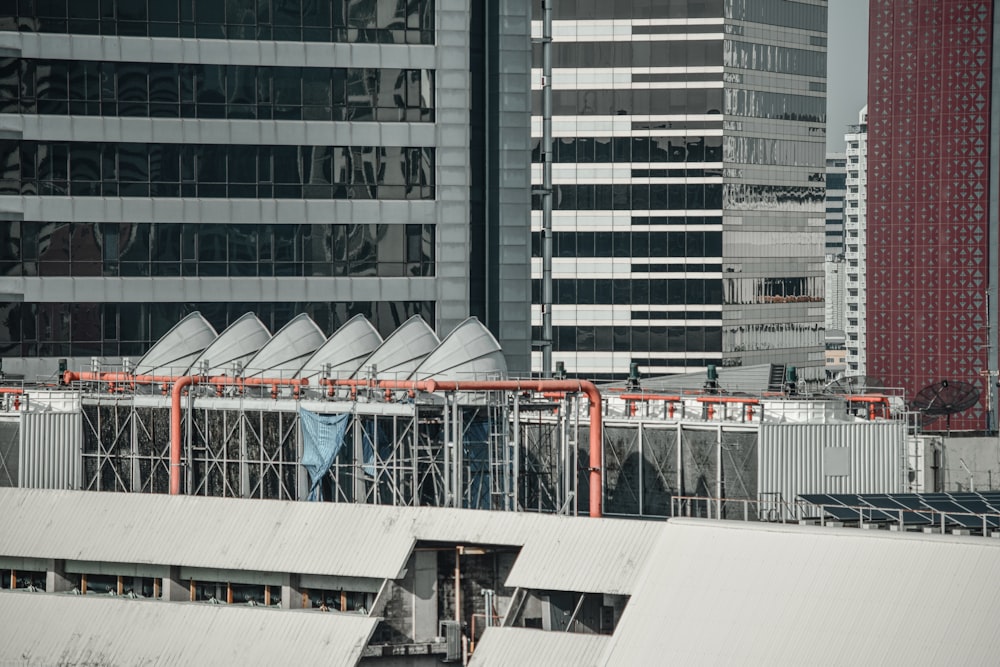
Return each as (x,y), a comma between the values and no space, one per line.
(944,399)
(855,384)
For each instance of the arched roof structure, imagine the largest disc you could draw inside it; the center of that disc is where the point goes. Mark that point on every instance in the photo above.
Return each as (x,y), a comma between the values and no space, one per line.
(344,351)
(469,352)
(174,353)
(237,344)
(402,352)
(284,355)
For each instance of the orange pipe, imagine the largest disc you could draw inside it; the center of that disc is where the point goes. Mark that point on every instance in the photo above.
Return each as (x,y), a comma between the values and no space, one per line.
(179,384)
(353,383)
(224,380)
(275,382)
(539,386)
(69,377)
(872,398)
(175,430)
(9,390)
(649,397)
(728,399)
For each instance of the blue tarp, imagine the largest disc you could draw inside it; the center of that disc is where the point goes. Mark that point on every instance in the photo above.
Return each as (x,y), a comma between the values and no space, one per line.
(322,440)
(476,446)
(370,433)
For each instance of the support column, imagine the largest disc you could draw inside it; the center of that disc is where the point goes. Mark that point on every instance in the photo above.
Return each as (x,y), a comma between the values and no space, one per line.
(56,580)
(173,588)
(291,592)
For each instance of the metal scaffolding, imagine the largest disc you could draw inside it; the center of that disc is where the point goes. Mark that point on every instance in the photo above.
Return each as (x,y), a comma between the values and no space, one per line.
(483,450)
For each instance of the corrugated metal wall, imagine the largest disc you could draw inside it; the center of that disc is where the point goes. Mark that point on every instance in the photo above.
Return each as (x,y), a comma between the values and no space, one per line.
(864,457)
(10,437)
(50,450)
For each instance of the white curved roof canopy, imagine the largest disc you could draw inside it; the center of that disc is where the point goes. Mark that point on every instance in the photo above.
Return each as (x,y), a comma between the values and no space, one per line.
(402,352)
(288,350)
(174,352)
(345,350)
(238,343)
(469,352)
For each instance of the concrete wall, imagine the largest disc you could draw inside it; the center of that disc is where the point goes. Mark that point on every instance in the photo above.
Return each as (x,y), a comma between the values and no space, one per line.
(964,464)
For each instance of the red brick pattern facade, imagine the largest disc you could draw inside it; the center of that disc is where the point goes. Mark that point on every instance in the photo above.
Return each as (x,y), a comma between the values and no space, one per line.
(928,194)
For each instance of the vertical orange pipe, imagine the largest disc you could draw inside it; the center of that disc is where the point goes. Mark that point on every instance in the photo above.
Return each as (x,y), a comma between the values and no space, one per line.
(175,430)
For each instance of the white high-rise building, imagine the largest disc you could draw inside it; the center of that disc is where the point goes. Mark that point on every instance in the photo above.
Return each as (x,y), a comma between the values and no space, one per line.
(688,164)
(835,268)
(836,177)
(855,229)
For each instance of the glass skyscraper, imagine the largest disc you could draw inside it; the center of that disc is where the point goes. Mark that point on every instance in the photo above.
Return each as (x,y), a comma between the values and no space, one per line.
(274,156)
(688,177)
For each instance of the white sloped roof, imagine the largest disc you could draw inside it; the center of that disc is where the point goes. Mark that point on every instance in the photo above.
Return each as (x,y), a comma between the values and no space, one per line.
(502,647)
(345,350)
(261,535)
(284,355)
(239,343)
(178,348)
(469,352)
(728,592)
(403,351)
(340,539)
(48,629)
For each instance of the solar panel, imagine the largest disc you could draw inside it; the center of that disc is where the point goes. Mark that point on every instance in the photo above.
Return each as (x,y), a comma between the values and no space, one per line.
(901,507)
(981,508)
(966,509)
(949,506)
(847,507)
(832,505)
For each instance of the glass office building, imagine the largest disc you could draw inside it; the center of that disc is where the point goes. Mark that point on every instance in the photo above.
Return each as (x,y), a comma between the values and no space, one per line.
(688,176)
(275,156)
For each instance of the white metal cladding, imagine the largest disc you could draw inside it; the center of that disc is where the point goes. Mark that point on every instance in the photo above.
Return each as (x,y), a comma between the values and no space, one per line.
(584,554)
(469,352)
(402,351)
(178,348)
(223,533)
(288,350)
(793,459)
(42,629)
(558,552)
(525,646)
(345,350)
(237,343)
(728,592)
(49,455)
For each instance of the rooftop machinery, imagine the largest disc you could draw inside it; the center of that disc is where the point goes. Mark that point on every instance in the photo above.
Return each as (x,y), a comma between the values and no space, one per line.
(414,420)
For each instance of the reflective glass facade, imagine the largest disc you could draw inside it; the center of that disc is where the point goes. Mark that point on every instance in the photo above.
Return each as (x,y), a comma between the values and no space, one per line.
(273,156)
(92,169)
(688,184)
(932,198)
(128,329)
(377,21)
(165,90)
(197,249)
